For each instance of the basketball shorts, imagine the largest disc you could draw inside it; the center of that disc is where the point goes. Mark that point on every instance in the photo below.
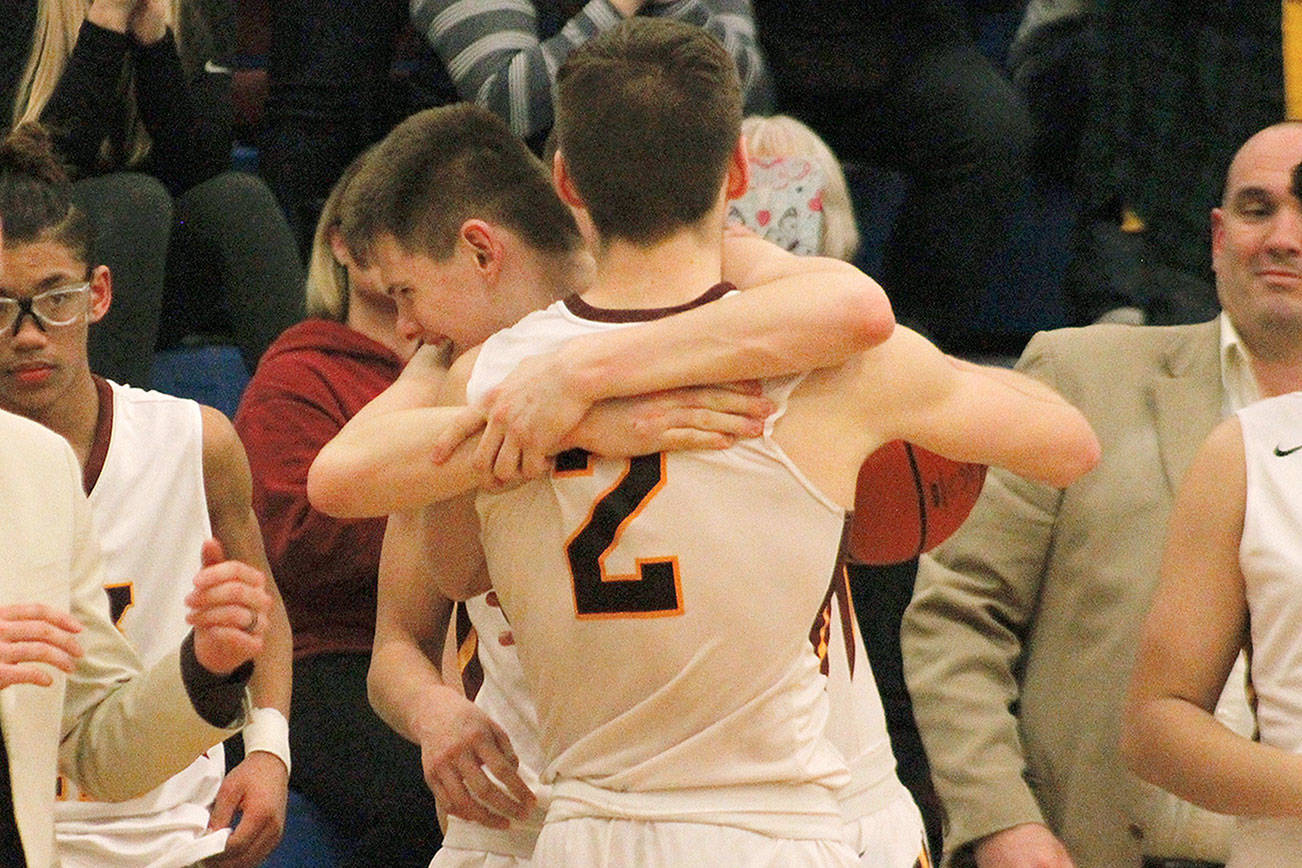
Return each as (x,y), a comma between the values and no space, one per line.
(891,837)
(597,841)
(454,857)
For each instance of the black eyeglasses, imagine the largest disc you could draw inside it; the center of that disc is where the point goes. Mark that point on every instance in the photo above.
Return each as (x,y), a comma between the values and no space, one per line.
(60,306)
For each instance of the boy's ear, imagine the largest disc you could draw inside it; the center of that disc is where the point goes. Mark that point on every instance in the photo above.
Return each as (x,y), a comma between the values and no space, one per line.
(738,178)
(101,293)
(564,183)
(483,244)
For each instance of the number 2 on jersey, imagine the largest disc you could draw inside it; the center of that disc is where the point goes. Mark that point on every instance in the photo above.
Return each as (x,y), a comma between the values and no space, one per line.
(653,590)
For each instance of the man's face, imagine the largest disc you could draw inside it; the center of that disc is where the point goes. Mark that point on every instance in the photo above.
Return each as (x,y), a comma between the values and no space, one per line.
(1257,242)
(438,301)
(38,366)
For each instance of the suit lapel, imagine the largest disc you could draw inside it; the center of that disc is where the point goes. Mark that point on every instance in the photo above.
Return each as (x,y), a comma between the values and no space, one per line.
(1187,398)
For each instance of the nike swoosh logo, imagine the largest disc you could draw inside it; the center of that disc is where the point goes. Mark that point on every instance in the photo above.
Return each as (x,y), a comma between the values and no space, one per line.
(1282,452)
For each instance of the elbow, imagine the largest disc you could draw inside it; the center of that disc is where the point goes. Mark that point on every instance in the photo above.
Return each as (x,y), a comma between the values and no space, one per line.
(329,487)
(869,318)
(1081,454)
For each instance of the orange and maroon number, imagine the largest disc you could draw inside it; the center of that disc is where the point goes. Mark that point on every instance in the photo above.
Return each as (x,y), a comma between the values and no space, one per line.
(654,590)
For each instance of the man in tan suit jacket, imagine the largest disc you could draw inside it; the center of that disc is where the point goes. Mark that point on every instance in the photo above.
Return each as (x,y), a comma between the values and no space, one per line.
(73,700)
(1022,632)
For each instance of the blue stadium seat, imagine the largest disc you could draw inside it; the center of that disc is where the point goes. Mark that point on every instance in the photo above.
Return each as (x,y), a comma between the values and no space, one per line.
(212,374)
(309,840)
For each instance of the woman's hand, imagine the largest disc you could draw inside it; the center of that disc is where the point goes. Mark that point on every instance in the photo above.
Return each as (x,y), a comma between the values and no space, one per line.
(148,22)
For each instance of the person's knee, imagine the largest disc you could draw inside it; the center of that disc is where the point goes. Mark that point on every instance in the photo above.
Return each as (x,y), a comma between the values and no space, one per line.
(125,197)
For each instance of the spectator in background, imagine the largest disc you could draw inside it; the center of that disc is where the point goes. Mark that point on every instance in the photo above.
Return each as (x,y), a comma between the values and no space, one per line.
(1051,61)
(771,139)
(1025,623)
(903,85)
(504,55)
(1176,88)
(135,85)
(365,779)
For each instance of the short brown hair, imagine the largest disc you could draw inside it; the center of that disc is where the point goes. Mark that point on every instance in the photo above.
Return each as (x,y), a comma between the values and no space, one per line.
(443,166)
(647,116)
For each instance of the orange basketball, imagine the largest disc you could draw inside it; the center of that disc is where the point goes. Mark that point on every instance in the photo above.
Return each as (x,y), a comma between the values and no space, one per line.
(908,501)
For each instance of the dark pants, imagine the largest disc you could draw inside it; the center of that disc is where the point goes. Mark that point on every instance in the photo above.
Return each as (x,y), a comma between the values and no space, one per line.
(365,779)
(232,266)
(328,95)
(955,126)
(132,214)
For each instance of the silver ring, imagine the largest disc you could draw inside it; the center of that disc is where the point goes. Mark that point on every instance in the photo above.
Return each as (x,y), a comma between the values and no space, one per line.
(253,623)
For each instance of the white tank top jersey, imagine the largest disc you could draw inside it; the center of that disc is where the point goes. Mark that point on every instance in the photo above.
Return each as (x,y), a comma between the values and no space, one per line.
(151,516)
(856,723)
(661,607)
(493,679)
(1270,557)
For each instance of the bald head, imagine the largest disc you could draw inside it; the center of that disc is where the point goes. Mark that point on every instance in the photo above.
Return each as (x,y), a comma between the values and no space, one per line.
(1281,142)
(1257,243)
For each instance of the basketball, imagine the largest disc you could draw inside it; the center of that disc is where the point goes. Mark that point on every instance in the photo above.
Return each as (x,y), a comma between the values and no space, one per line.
(907,501)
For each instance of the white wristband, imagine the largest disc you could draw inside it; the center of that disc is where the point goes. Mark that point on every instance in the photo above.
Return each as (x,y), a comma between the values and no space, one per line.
(267,730)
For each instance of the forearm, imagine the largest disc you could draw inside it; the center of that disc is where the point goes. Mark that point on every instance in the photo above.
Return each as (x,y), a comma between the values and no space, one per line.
(411,626)
(1183,749)
(189,126)
(401,682)
(271,682)
(382,463)
(962,639)
(790,322)
(86,101)
(496,59)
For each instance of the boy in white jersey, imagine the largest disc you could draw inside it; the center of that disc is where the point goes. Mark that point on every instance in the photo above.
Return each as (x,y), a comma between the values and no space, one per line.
(163,476)
(660,740)
(1232,570)
(539,260)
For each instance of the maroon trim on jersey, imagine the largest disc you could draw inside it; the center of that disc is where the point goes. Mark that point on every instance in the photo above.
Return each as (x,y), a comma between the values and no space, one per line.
(841,591)
(581,308)
(472,671)
(99,444)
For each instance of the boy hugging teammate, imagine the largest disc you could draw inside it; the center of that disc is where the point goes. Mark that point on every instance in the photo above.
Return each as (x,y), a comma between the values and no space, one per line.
(661,604)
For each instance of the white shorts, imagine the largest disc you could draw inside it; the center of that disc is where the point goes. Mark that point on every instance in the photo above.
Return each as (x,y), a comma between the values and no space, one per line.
(454,857)
(596,841)
(891,837)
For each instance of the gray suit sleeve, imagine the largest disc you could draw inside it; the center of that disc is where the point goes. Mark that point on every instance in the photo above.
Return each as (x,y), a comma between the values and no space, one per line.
(962,639)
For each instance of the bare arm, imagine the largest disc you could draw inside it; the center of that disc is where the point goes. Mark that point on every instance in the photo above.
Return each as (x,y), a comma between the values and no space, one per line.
(797,314)
(422,551)
(1195,628)
(910,390)
(258,787)
(387,458)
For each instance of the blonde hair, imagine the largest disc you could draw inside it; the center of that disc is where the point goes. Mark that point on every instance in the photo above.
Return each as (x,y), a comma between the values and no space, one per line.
(783,136)
(327,278)
(55,35)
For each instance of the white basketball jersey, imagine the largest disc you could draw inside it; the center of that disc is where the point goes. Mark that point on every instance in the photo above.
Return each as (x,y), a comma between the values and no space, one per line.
(1270,557)
(151,516)
(493,679)
(661,607)
(856,724)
